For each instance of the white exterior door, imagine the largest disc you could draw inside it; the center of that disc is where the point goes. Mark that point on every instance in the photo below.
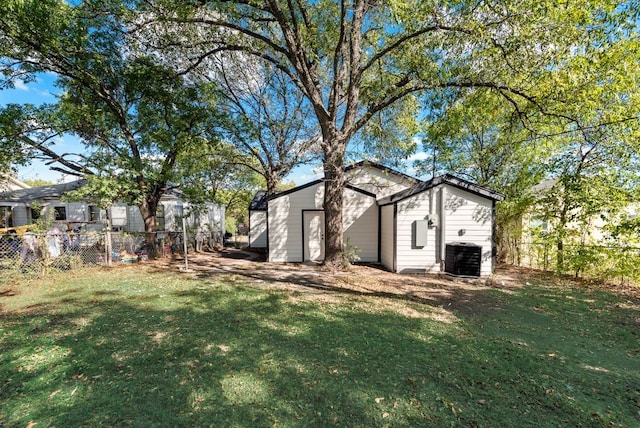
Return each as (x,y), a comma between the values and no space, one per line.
(313,241)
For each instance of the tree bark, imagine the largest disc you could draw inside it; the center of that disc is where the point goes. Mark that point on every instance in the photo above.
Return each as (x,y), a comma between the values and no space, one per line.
(272,180)
(333,205)
(148,209)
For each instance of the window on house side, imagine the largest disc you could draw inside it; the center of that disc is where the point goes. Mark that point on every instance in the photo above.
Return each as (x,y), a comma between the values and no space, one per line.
(60,213)
(35,213)
(160,218)
(6,219)
(539,223)
(94,213)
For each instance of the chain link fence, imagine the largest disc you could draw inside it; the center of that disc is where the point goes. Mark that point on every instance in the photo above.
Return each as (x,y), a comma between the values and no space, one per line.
(32,255)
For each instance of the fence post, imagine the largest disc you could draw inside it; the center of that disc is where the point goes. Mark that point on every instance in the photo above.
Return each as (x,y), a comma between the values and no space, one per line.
(108,247)
(107,241)
(184,240)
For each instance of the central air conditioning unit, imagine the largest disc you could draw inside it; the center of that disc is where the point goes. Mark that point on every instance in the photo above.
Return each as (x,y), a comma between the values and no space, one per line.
(463,259)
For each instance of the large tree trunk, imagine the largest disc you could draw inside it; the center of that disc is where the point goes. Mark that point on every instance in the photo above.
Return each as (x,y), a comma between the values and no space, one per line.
(148,209)
(272,180)
(562,224)
(333,204)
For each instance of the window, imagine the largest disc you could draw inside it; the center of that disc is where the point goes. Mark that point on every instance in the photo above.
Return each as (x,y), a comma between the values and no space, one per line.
(94,213)
(60,213)
(6,219)
(36,211)
(539,224)
(160,217)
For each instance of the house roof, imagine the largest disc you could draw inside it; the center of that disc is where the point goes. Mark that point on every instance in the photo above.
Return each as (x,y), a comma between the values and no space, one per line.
(7,182)
(51,192)
(259,201)
(442,179)
(388,170)
(351,167)
(313,183)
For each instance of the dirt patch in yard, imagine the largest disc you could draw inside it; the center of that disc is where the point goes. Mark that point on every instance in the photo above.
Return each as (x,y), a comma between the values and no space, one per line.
(458,294)
(451,293)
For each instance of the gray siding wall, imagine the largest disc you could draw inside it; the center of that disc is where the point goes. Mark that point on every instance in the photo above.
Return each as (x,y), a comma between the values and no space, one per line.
(126,217)
(118,213)
(410,257)
(77,212)
(20,215)
(378,182)
(258,229)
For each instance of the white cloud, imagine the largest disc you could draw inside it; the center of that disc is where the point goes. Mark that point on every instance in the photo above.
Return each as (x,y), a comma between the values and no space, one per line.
(418,156)
(19,84)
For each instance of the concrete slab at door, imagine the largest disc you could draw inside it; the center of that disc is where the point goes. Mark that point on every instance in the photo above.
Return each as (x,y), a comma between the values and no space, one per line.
(313,240)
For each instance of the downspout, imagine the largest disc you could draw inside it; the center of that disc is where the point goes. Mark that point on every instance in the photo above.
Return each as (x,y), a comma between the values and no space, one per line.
(443,227)
(494,241)
(395,237)
(432,225)
(379,234)
(266,219)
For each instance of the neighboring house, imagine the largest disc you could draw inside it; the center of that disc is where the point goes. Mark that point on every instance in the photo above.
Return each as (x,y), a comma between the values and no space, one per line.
(25,206)
(8,182)
(389,218)
(540,232)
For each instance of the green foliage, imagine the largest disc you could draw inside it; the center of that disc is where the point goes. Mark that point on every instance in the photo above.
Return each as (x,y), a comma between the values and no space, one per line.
(218,172)
(37,182)
(103,191)
(135,115)
(351,251)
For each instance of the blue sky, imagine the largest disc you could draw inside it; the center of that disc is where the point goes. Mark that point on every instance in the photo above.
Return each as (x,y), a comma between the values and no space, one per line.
(43,91)
(39,92)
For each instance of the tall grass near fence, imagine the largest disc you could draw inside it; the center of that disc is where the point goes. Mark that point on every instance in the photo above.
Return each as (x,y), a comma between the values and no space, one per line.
(618,264)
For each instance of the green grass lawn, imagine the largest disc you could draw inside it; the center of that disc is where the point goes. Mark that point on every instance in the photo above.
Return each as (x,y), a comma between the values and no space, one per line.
(136,347)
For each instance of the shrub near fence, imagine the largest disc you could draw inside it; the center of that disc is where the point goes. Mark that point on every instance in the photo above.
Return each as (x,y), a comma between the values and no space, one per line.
(608,263)
(33,255)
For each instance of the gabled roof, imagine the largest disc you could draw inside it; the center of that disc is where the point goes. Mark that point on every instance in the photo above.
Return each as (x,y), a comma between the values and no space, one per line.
(259,201)
(313,183)
(52,192)
(351,167)
(7,182)
(442,179)
(364,163)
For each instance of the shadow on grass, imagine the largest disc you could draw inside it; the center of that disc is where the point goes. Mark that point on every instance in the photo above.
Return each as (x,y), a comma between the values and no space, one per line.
(215,354)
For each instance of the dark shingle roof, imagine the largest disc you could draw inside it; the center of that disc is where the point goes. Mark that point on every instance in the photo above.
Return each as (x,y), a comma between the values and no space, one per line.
(259,201)
(442,179)
(52,192)
(382,168)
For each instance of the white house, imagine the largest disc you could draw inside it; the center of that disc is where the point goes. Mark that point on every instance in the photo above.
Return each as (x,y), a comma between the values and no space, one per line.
(258,220)
(389,218)
(444,224)
(25,206)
